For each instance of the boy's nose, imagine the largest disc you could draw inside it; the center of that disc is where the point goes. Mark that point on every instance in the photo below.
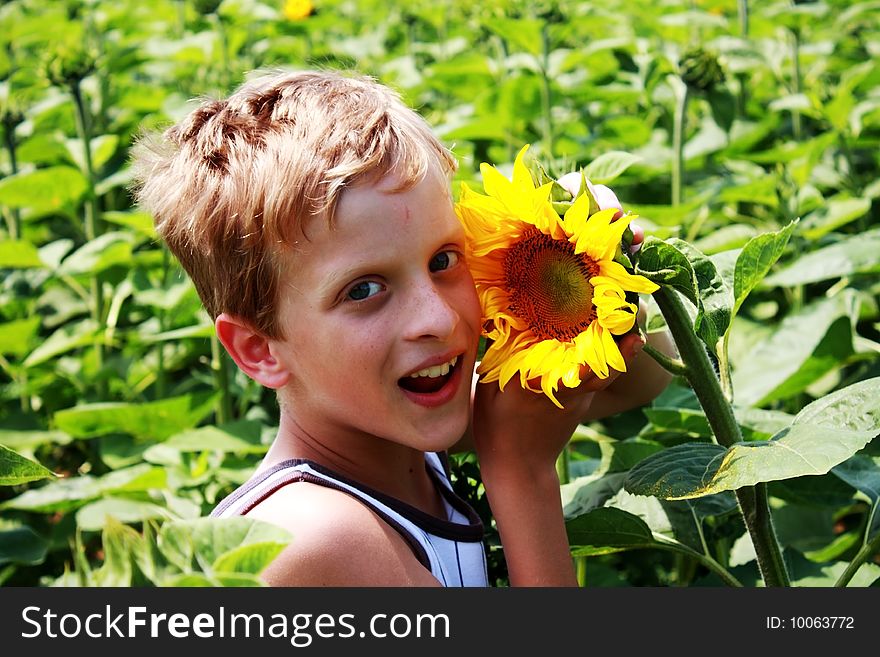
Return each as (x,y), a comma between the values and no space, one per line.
(431,315)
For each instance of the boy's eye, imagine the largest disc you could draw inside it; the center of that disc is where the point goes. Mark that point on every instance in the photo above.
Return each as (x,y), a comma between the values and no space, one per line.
(364,290)
(443,260)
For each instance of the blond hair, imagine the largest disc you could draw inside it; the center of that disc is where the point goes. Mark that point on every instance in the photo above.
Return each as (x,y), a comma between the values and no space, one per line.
(231,186)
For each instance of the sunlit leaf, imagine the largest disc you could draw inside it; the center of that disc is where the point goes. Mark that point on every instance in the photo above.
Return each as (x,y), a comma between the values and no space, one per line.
(824,434)
(15,254)
(43,190)
(609,165)
(850,255)
(156,420)
(16,469)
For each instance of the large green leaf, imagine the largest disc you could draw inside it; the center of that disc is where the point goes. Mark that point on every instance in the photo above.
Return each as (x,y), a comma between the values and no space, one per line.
(609,165)
(16,469)
(838,212)
(606,530)
(664,264)
(21,544)
(66,338)
(863,473)
(824,434)
(755,260)
(99,254)
(16,337)
(241,437)
(17,254)
(156,420)
(74,492)
(206,540)
(850,255)
(715,296)
(95,515)
(43,190)
(803,347)
(252,558)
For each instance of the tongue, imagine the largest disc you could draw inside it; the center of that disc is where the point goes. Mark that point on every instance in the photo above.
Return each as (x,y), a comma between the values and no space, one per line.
(423,384)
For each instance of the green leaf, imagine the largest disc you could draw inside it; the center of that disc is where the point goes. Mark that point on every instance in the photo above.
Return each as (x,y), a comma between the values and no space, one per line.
(609,165)
(252,559)
(850,255)
(757,257)
(715,297)
(210,538)
(242,436)
(662,263)
(102,149)
(16,469)
(94,516)
(157,420)
(837,213)
(606,530)
(141,222)
(68,337)
(16,337)
(99,254)
(824,434)
(522,32)
(44,190)
(676,472)
(863,473)
(74,492)
(803,347)
(22,545)
(29,440)
(16,254)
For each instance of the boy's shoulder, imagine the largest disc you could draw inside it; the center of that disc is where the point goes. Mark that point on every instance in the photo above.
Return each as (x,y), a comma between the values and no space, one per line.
(337,541)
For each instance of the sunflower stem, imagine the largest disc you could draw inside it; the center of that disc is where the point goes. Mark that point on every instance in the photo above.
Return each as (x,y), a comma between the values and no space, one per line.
(678,127)
(868,549)
(91,226)
(753,500)
(546,91)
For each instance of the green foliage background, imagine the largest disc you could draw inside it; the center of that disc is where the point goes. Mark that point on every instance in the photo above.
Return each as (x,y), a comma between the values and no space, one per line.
(717,122)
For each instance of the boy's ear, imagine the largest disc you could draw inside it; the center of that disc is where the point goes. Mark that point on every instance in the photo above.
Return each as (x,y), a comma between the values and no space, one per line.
(251,351)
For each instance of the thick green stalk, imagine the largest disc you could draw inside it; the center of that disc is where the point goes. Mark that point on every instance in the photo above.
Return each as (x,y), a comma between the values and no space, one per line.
(91,228)
(546,93)
(14,215)
(753,501)
(869,548)
(796,80)
(743,9)
(678,127)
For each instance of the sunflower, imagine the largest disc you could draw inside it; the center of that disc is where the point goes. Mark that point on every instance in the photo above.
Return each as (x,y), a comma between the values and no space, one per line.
(297,10)
(553,297)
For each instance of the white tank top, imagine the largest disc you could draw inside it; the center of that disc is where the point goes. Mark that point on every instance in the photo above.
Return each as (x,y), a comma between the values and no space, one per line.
(451,549)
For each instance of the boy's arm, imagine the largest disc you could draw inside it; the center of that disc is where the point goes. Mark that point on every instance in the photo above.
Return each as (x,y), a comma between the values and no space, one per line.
(518,436)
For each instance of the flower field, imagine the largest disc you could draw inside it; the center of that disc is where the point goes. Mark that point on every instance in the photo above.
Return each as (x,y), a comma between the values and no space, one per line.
(745,136)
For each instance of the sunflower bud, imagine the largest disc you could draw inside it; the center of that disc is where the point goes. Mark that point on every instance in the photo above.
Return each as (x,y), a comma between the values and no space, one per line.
(205,7)
(68,66)
(700,70)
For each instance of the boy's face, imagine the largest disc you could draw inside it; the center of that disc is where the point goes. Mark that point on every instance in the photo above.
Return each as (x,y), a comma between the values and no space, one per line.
(378,297)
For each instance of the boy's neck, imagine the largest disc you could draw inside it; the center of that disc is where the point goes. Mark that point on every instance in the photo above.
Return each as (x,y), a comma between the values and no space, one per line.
(391,468)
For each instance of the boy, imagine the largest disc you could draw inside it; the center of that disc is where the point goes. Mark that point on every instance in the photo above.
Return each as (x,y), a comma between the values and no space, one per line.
(313,212)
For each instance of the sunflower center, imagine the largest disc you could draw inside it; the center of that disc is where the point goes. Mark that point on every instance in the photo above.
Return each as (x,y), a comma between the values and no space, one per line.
(549,285)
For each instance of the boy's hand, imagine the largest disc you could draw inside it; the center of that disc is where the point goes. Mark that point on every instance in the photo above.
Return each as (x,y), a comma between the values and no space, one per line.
(518,436)
(522,425)
(605,198)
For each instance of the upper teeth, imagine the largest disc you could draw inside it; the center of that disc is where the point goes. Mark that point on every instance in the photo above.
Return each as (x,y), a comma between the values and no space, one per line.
(436,370)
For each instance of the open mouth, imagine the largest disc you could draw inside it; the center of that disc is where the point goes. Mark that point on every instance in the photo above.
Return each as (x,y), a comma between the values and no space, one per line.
(430,379)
